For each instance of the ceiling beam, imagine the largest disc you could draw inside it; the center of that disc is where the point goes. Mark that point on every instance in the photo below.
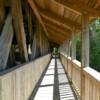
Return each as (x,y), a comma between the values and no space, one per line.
(52,43)
(58,30)
(55,34)
(79,7)
(19,28)
(67,23)
(58,33)
(36,12)
(55,41)
(56,26)
(56,38)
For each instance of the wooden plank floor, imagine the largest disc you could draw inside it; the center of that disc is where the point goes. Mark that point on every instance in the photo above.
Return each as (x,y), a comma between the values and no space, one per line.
(54,84)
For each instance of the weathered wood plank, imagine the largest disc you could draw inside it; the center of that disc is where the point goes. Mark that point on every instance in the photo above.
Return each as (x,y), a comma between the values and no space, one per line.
(35,10)
(5,42)
(19,28)
(85,40)
(79,7)
(84,50)
(2,14)
(91,79)
(73,46)
(65,22)
(19,83)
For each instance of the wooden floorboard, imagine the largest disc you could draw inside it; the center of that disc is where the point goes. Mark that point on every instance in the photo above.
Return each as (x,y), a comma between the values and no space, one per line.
(54,84)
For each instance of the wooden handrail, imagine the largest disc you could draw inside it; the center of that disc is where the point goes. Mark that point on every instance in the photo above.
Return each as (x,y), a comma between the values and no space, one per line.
(93,74)
(91,78)
(19,83)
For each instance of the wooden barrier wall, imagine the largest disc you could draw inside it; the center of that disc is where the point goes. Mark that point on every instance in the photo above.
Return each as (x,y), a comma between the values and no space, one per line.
(91,78)
(19,83)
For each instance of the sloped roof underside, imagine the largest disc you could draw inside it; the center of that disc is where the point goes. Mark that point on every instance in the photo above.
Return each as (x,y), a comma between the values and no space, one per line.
(60,16)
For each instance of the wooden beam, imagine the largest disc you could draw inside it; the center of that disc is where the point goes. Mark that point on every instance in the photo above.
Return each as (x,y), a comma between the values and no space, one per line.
(30,24)
(57,35)
(85,40)
(52,40)
(53,43)
(84,50)
(34,48)
(2,14)
(58,38)
(58,30)
(37,14)
(79,7)
(51,34)
(67,23)
(5,42)
(73,45)
(56,26)
(19,28)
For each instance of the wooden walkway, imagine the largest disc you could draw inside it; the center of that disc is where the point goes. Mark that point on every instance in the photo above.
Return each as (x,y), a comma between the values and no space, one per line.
(54,84)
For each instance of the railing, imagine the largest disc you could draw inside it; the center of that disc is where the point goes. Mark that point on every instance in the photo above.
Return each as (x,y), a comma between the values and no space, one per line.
(91,78)
(18,83)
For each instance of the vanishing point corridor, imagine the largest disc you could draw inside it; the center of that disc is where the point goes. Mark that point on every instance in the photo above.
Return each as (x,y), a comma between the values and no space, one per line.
(54,84)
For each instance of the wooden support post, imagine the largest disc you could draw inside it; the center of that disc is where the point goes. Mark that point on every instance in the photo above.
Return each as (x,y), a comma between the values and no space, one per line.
(73,45)
(11,58)
(84,50)
(5,42)
(19,28)
(2,14)
(69,47)
(33,48)
(41,50)
(42,41)
(73,51)
(67,51)
(44,44)
(36,49)
(85,41)
(37,14)
(30,26)
(66,47)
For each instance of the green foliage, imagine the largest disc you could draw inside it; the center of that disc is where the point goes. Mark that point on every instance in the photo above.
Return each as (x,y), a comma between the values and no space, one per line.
(55,51)
(95,52)
(94,45)
(78,47)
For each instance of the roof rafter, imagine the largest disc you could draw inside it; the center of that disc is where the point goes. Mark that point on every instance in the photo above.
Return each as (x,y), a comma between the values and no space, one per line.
(55,40)
(57,26)
(61,32)
(79,7)
(67,23)
(55,34)
(36,12)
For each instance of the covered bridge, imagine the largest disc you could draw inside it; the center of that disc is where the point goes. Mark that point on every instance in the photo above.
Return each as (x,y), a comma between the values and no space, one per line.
(29,30)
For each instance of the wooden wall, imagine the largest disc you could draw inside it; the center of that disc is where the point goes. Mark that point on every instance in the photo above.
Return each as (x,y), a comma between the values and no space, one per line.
(19,83)
(26,31)
(91,77)
(40,44)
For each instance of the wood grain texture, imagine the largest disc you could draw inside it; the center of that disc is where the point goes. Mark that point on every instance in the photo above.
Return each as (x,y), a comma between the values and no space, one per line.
(5,42)
(91,78)
(37,14)
(19,83)
(19,28)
